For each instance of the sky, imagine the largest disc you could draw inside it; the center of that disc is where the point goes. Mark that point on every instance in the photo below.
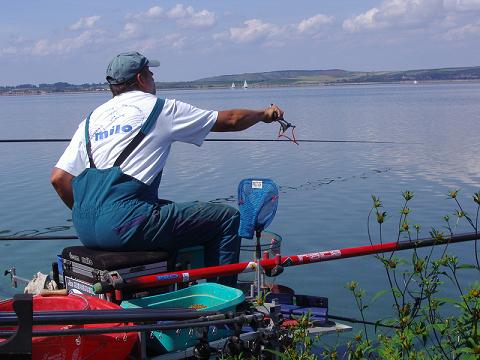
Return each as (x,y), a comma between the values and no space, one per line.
(72,41)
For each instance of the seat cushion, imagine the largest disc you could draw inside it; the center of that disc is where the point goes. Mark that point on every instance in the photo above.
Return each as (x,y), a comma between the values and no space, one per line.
(112,260)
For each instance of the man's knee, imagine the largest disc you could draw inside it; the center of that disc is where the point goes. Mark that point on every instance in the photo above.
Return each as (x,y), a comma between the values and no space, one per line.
(233,215)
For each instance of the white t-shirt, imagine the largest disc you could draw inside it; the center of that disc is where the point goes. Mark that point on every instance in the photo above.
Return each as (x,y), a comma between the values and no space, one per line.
(114,124)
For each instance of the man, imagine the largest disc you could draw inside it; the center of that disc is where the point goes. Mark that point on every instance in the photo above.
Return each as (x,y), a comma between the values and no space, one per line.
(110,172)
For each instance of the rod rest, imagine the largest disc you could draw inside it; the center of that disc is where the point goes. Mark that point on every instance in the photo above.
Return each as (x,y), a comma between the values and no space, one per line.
(19,346)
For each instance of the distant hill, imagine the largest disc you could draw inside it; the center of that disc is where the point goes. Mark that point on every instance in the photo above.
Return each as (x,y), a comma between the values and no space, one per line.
(338,76)
(273,78)
(443,74)
(281,75)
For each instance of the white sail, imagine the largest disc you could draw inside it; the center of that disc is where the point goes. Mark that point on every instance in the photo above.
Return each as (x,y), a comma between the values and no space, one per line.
(245,85)
(233,85)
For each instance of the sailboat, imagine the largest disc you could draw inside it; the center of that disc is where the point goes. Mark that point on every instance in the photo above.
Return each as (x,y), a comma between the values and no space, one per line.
(233,85)
(245,84)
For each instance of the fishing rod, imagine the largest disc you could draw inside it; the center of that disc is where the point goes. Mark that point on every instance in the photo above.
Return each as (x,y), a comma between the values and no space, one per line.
(57,237)
(52,140)
(107,316)
(161,326)
(358,321)
(66,237)
(274,265)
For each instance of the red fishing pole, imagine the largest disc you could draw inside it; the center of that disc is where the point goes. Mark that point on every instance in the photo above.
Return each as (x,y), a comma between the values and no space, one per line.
(156,280)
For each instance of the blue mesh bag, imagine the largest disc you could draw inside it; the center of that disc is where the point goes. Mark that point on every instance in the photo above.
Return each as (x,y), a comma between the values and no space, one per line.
(257,202)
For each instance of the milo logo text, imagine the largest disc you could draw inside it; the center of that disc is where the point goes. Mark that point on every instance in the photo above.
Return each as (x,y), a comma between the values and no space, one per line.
(116,129)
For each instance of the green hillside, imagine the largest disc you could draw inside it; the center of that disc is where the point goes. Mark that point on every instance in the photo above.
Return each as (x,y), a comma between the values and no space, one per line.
(443,74)
(273,78)
(328,77)
(279,78)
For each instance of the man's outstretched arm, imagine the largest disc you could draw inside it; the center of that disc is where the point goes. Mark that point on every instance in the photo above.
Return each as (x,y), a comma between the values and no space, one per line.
(241,119)
(62,182)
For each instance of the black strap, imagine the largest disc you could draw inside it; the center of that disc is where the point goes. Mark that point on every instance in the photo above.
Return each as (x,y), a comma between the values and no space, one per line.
(130,147)
(88,144)
(146,127)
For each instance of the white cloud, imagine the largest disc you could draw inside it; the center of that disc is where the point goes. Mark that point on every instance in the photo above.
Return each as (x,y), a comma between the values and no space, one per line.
(203,18)
(176,41)
(462,5)
(187,17)
(254,29)
(145,45)
(85,23)
(179,11)
(221,36)
(154,12)
(9,50)
(274,44)
(314,23)
(397,13)
(462,32)
(173,41)
(68,45)
(449,21)
(130,30)
(45,47)
(363,21)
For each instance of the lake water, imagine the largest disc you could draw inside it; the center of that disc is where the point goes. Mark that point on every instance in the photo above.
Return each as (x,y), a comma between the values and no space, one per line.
(326,188)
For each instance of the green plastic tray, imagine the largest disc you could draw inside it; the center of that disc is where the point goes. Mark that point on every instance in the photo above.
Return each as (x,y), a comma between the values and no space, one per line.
(213,297)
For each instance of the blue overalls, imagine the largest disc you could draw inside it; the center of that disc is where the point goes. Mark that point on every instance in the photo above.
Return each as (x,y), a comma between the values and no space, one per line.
(109,206)
(114,211)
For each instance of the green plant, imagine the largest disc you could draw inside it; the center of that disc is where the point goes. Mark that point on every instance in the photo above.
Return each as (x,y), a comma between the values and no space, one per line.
(428,325)
(301,342)
(425,324)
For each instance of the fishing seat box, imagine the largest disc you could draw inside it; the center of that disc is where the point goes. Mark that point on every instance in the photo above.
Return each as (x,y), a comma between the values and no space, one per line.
(80,268)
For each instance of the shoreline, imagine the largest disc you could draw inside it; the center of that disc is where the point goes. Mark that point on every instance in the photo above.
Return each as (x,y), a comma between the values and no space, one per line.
(37,92)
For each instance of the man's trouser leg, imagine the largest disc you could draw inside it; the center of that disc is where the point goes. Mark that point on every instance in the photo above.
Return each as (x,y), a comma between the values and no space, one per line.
(173,226)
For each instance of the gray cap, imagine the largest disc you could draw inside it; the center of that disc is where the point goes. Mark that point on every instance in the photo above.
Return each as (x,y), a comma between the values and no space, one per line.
(125,66)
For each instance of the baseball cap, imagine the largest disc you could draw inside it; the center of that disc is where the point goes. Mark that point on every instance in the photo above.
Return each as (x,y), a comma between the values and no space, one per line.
(125,66)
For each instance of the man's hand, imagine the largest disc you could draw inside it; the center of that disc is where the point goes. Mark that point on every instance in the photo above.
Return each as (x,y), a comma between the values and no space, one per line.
(241,119)
(273,113)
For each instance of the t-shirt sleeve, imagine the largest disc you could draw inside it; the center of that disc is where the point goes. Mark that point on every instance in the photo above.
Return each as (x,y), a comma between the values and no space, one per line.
(74,159)
(191,124)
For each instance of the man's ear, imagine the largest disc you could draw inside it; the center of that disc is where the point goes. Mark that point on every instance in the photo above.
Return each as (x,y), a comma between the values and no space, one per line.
(139,79)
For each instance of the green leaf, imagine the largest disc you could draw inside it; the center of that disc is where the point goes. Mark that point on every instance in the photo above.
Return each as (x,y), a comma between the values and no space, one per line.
(466,353)
(466,266)
(439,327)
(278,353)
(448,300)
(378,295)
(396,293)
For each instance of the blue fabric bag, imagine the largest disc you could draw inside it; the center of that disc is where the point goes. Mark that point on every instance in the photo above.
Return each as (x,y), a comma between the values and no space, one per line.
(257,202)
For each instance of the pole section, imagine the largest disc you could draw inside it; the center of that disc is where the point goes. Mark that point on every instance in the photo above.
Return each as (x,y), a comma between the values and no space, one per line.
(168,278)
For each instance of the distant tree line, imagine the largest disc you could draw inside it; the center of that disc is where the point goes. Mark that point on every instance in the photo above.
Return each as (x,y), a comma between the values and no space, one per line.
(49,88)
(271,79)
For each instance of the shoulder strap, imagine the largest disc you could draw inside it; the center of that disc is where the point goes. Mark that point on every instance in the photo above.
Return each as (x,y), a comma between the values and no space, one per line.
(146,127)
(88,144)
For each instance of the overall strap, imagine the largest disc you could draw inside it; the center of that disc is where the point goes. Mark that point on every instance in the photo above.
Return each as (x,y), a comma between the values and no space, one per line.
(146,127)
(88,144)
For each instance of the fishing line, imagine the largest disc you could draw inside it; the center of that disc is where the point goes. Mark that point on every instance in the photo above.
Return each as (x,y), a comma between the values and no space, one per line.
(52,140)
(310,185)
(357,321)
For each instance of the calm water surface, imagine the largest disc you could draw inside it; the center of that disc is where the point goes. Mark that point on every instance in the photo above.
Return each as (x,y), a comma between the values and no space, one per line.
(326,188)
